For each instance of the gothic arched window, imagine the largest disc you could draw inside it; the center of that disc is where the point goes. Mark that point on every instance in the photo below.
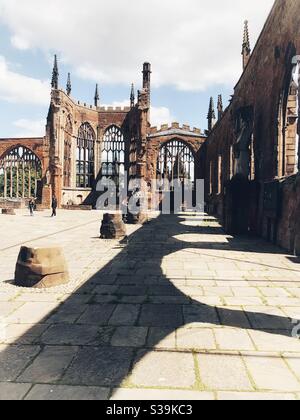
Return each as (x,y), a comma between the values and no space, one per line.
(20,172)
(113,153)
(85,156)
(288,116)
(68,153)
(176,161)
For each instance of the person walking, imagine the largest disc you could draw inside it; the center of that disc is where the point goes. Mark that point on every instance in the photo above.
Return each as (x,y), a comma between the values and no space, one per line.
(31,206)
(54,206)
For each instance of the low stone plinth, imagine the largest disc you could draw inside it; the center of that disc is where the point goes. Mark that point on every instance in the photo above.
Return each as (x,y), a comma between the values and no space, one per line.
(79,207)
(136,219)
(8,212)
(41,268)
(112,227)
(6,203)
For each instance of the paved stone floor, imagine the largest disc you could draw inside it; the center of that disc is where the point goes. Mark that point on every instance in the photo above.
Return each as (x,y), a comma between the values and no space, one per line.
(181,311)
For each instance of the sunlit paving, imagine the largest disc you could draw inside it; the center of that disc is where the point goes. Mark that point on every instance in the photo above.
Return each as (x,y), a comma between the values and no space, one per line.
(149,203)
(155,318)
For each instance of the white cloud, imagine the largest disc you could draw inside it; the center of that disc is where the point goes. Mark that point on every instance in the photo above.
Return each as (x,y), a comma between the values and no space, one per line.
(30,128)
(17,88)
(192,44)
(161,115)
(20,43)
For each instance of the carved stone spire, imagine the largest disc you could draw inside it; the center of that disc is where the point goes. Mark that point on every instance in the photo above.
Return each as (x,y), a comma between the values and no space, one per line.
(220,107)
(246,51)
(69,85)
(147,80)
(211,116)
(132,96)
(147,76)
(97,96)
(55,74)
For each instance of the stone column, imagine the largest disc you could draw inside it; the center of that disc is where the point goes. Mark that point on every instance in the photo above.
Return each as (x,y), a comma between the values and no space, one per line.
(56,168)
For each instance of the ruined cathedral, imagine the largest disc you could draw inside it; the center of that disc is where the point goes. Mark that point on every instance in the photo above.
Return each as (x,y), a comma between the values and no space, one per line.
(86,142)
(248,155)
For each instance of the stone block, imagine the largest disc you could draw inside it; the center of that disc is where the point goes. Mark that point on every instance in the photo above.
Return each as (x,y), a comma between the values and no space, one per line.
(134,394)
(112,227)
(99,366)
(164,370)
(136,219)
(13,392)
(41,268)
(8,212)
(49,366)
(224,372)
(129,337)
(67,393)
(271,373)
(14,359)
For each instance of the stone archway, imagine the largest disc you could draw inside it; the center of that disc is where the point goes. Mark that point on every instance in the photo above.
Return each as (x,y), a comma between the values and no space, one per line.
(20,174)
(176,169)
(176,160)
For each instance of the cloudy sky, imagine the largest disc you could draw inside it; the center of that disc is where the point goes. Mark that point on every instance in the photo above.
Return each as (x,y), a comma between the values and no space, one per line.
(194,47)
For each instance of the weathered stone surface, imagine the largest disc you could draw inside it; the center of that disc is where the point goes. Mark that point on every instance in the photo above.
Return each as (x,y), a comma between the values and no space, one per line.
(49,365)
(70,316)
(266,370)
(224,372)
(14,359)
(13,392)
(161,316)
(112,227)
(136,219)
(164,369)
(254,396)
(123,394)
(272,207)
(41,268)
(6,203)
(231,339)
(272,342)
(63,334)
(129,337)
(195,339)
(6,308)
(23,333)
(256,95)
(97,314)
(99,366)
(32,313)
(67,393)
(162,338)
(9,212)
(125,315)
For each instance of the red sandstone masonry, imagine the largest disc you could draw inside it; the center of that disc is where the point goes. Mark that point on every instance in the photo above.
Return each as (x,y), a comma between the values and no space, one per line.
(260,86)
(36,145)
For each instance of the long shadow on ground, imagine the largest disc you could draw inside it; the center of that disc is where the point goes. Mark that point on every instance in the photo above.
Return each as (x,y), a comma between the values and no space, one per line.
(118,316)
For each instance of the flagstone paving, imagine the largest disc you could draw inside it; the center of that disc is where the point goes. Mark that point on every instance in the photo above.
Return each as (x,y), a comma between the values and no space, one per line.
(179,310)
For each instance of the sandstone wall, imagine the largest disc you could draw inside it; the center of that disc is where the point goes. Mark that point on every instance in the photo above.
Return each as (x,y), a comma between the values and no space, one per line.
(260,89)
